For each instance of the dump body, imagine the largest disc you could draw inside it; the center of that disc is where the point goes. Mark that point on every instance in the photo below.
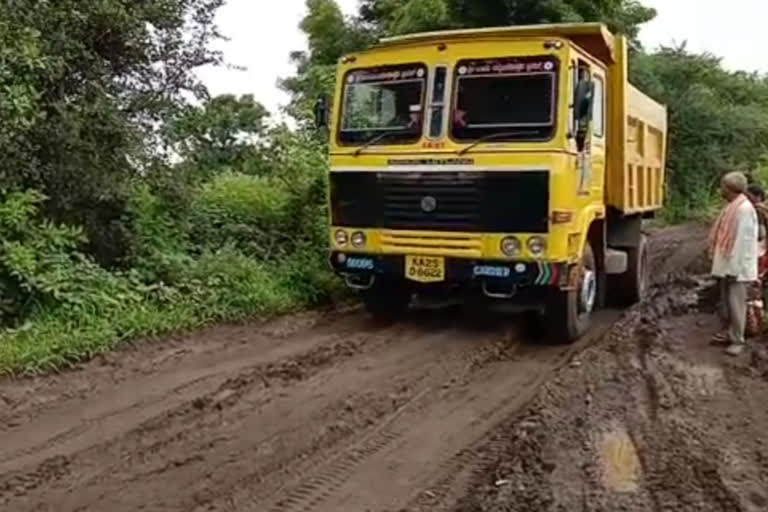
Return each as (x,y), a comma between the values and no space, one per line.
(636,172)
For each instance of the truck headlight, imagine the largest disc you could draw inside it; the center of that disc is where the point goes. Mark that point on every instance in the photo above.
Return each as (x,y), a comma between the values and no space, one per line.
(341,237)
(358,239)
(510,246)
(537,245)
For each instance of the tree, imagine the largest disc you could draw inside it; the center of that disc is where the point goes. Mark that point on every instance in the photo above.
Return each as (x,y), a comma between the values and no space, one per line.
(718,120)
(331,35)
(22,70)
(394,17)
(404,16)
(90,83)
(224,132)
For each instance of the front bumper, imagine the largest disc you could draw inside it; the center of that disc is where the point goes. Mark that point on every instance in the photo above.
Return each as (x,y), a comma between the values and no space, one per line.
(458,271)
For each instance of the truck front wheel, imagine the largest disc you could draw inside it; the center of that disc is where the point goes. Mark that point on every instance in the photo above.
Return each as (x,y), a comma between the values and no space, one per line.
(569,312)
(387,299)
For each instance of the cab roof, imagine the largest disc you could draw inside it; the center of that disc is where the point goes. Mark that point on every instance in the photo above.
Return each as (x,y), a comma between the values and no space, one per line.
(595,38)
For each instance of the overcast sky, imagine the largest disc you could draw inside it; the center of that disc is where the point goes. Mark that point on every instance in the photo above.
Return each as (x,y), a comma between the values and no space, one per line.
(262,33)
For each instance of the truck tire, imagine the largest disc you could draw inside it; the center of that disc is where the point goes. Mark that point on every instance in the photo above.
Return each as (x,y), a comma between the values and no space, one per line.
(569,312)
(629,288)
(387,300)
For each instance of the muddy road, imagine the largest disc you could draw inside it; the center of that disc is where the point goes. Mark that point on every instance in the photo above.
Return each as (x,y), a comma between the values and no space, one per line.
(339,413)
(335,412)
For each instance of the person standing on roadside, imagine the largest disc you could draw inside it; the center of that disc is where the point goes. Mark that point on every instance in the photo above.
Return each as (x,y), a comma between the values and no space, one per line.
(756,194)
(756,295)
(733,247)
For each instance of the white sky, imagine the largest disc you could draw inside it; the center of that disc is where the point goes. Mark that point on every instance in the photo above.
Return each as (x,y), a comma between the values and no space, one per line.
(263,32)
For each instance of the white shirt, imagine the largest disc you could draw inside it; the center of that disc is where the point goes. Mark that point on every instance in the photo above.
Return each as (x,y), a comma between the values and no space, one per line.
(742,263)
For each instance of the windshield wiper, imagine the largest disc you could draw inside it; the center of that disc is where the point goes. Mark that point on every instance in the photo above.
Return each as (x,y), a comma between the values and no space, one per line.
(376,139)
(498,135)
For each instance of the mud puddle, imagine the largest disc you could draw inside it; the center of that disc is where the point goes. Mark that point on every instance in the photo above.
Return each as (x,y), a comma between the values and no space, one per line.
(654,418)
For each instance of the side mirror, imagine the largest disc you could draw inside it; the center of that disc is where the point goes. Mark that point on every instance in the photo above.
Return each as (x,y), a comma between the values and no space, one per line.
(583,103)
(584,100)
(321,112)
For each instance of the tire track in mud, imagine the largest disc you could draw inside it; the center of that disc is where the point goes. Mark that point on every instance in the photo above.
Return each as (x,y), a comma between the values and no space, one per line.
(153,367)
(337,471)
(451,358)
(292,369)
(101,395)
(471,462)
(54,459)
(344,425)
(389,468)
(340,415)
(209,448)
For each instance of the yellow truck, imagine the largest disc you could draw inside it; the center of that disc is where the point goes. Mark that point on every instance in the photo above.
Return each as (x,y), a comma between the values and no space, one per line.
(515,164)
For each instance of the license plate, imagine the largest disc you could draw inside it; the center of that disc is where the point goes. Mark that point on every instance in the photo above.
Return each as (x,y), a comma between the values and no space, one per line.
(425,269)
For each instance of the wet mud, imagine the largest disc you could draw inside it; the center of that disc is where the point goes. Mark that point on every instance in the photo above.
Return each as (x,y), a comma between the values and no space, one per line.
(442,410)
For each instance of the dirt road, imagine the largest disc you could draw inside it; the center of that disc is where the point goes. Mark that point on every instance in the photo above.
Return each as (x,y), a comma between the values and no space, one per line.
(334,412)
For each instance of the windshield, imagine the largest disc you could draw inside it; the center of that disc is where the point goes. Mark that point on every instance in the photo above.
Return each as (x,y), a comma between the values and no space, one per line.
(515,95)
(380,100)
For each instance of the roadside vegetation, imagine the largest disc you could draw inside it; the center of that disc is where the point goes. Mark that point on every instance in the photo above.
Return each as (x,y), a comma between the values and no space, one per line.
(133,204)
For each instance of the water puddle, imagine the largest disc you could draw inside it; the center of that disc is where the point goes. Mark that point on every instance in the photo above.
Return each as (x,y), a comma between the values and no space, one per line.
(619,461)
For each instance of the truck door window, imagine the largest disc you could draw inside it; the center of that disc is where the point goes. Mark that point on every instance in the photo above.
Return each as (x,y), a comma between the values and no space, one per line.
(515,96)
(572,92)
(599,107)
(438,103)
(380,100)
(580,72)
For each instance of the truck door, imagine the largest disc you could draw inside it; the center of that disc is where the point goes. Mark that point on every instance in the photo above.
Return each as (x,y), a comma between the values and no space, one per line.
(592,157)
(599,136)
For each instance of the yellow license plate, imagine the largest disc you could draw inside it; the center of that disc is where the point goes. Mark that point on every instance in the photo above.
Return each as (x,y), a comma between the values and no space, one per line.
(425,269)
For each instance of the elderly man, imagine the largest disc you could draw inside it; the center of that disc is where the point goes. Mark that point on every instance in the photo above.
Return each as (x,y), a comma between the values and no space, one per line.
(733,246)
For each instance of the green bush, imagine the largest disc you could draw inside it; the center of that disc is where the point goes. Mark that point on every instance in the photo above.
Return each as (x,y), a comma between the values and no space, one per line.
(271,214)
(220,286)
(160,244)
(60,307)
(42,268)
(249,211)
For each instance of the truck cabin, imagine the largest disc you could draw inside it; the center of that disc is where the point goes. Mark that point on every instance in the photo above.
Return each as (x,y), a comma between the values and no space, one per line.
(538,85)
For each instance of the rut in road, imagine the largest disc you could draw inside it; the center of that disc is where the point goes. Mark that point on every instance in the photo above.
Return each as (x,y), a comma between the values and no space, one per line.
(426,439)
(246,424)
(320,412)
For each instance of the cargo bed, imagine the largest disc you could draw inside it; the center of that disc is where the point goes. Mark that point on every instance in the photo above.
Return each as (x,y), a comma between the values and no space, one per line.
(635,174)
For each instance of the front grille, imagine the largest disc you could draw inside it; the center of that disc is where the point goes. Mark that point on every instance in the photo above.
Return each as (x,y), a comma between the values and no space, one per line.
(456,199)
(442,201)
(404,242)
